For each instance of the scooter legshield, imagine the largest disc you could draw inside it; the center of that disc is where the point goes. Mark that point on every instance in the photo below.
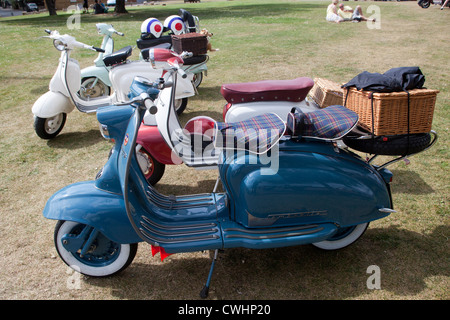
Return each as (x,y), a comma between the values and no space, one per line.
(50,104)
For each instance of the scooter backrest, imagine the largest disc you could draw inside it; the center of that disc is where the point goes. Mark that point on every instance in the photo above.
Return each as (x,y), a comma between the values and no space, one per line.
(188,19)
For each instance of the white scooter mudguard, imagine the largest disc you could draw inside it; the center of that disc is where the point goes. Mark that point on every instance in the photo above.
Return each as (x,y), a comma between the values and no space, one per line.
(244,111)
(50,104)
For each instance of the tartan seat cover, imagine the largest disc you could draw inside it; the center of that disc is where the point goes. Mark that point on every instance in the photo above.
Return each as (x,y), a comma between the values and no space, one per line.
(256,135)
(332,122)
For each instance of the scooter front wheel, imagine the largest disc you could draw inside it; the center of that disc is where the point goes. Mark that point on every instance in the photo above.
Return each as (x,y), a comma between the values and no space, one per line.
(343,237)
(90,252)
(48,128)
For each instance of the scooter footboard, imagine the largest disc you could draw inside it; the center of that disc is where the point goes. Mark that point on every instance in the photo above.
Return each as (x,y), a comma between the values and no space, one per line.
(234,235)
(82,202)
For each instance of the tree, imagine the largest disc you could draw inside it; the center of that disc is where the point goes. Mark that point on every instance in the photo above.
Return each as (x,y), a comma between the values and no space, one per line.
(51,7)
(120,7)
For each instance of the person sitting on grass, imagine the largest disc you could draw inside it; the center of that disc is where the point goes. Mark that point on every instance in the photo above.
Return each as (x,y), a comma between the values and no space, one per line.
(105,9)
(98,8)
(332,15)
(348,14)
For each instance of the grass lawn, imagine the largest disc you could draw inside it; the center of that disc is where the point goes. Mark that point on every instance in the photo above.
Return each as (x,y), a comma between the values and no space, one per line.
(258,39)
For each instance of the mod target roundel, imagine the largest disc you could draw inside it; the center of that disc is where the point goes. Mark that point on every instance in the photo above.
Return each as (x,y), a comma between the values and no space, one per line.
(152,26)
(174,23)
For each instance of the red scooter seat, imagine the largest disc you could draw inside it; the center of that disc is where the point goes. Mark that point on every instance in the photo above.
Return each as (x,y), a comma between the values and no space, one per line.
(257,135)
(267,90)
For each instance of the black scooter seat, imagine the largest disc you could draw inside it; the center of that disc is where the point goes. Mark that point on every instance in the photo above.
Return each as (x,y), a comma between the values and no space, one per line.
(118,56)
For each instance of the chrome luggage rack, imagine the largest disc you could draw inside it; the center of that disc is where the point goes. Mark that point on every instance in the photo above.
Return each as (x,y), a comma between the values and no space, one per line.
(403,157)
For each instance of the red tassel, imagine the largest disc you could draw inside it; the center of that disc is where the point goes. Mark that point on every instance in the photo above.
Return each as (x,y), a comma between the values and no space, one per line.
(155,250)
(162,252)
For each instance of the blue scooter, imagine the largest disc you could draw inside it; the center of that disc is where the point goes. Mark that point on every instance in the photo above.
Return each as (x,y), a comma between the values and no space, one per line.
(285,184)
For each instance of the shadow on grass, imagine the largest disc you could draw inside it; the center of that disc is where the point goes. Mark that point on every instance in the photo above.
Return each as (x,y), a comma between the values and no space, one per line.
(406,181)
(76,140)
(406,260)
(203,12)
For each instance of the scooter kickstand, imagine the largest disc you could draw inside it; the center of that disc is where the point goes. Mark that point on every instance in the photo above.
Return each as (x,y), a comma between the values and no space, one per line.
(205,290)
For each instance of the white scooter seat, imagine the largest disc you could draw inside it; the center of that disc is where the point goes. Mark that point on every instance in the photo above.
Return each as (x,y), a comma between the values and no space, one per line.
(256,135)
(267,90)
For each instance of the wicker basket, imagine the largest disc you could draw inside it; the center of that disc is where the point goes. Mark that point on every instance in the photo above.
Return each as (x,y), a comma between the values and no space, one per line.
(190,42)
(390,110)
(326,93)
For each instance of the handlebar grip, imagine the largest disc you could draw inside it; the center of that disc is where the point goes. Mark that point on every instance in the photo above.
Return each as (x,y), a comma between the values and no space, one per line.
(182,73)
(98,49)
(119,33)
(48,31)
(151,106)
(153,109)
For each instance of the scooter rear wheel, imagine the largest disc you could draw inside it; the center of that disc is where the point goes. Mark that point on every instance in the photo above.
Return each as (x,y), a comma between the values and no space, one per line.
(104,257)
(343,238)
(48,128)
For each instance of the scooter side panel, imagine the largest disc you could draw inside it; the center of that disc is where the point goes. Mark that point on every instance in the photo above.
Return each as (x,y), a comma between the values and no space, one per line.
(313,185)
(84,203)
(50,104)
(100,72)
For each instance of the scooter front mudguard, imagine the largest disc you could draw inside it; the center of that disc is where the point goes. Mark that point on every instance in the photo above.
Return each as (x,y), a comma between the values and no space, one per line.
(84,203)
(101,73)
(50,104)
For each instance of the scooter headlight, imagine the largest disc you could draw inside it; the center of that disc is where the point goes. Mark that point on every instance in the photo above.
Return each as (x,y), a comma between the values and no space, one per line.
(104,131)
(59,45)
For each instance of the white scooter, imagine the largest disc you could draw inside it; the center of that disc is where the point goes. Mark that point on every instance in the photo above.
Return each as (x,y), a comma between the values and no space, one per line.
(51,109)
